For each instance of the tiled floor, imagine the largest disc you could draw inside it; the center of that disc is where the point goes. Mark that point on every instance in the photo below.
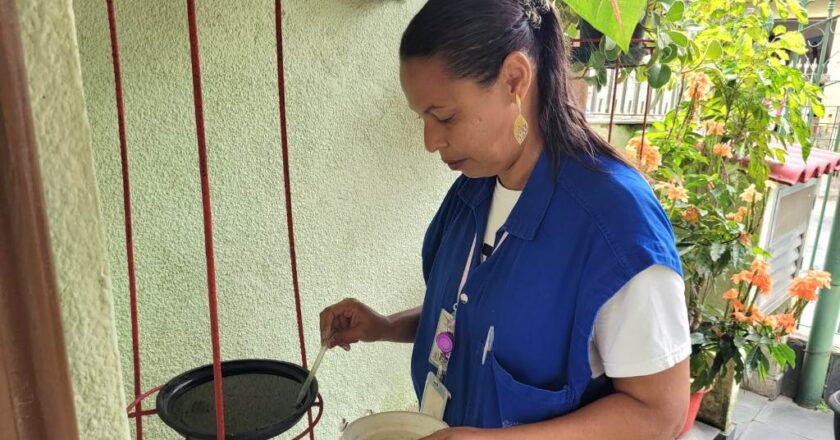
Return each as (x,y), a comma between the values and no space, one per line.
(757,418)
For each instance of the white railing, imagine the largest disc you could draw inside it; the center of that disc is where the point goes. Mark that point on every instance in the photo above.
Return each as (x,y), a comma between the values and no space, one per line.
(630,101)
(808,68)
(631,95)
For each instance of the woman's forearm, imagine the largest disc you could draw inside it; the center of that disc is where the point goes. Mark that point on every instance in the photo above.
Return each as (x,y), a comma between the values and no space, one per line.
(615,416)
(402,326)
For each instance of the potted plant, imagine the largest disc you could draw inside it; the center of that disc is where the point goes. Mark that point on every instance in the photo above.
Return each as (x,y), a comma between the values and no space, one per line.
(742,336)
(707,160)
(599,43)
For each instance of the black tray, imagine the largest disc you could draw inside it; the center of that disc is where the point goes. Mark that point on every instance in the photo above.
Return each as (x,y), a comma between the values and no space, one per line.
(259,400)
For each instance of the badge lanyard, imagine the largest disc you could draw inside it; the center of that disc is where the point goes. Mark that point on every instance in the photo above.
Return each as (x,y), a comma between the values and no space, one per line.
(435,393)
(444,340)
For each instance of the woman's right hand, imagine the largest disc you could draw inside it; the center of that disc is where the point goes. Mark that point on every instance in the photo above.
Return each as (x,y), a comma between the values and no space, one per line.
(350,321)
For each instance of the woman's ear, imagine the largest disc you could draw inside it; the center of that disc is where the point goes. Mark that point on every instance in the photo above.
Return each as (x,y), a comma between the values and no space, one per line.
(516,75)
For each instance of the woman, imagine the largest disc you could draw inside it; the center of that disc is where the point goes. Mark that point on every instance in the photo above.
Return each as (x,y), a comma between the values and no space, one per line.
(566,320)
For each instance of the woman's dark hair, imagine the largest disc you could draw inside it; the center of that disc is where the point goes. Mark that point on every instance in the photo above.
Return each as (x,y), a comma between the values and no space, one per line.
(473,38)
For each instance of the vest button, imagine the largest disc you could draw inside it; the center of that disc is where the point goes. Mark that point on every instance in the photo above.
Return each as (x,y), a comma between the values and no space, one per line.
(464,298)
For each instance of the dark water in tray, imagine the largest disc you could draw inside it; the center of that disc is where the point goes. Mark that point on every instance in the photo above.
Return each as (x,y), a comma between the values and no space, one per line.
(251,401)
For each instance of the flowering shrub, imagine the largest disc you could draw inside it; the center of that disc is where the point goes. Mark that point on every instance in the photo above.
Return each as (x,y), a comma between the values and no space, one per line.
(744,337)
(739,104)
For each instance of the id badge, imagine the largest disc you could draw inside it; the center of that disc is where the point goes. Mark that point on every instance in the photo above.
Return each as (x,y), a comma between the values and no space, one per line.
(446,323)
(435,396)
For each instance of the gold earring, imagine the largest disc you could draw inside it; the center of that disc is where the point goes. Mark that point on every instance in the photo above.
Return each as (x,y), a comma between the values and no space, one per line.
(520,126)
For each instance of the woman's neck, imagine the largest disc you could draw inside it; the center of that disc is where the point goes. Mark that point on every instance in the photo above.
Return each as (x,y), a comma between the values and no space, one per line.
(515,177)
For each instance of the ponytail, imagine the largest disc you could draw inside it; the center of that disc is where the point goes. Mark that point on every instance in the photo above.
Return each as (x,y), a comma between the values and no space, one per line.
(563,124)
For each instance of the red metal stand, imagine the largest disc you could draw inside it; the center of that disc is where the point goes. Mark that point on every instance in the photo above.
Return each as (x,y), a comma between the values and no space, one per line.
(135,409)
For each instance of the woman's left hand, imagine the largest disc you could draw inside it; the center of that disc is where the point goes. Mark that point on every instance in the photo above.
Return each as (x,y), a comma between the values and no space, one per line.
(459,434)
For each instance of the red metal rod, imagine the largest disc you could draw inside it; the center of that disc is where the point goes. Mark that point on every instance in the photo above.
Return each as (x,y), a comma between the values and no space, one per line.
(614,94)
(644,121)
(208,220)
(648,97)
(284,141)
(148,412)
(129,232)
(319,403)
(141,397)
(598,40)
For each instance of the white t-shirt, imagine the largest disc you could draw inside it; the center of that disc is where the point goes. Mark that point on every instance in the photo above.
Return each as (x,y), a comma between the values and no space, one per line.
(641,330)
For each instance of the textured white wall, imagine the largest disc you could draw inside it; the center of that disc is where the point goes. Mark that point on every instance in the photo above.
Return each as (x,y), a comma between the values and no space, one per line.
(364,188)
(76,234)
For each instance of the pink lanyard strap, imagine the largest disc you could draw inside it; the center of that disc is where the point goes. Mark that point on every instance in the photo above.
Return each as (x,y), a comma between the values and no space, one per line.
(467,268)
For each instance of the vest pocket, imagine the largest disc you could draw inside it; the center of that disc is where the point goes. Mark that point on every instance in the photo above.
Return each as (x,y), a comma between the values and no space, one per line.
(520,403)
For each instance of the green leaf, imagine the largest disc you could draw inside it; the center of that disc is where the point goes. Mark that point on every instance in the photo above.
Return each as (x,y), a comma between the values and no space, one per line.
(609,43)
(783,11)
(658,75)
(602,76)
(806,150)
(615,18)
(780,29)
(789,354)
(679,38)
(761,252)
(613,53)
(686,250)
(818,108)
(662,40)
(798,11)
(764,9)
(735,252)
(675,12)
(792,41)
(597,59)
(668,55)
(747,48)
(751,359)
(716,250)
(713,51)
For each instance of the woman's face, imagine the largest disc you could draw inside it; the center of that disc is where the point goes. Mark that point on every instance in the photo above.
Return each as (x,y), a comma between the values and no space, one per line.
(469,125)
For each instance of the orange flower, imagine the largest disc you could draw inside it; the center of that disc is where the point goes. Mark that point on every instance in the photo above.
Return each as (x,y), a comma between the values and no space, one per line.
(674,192)
(751,195)
(759,265)
(771,321)
(713,128)
(739,215)
(745,239)
(787,322)
(802,287)
(762,281)
(744,275)
(691,215)
(755,315)
(740,317)
(820,278)
(737,305)
(722,150)
(650,158)
(730,294)
(698,86)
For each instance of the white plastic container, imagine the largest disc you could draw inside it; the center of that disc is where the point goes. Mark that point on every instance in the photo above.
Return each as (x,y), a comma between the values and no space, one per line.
(395,425)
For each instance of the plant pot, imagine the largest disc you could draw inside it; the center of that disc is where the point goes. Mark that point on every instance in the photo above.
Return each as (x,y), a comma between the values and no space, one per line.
(834,403)
(693,408)
(590,39)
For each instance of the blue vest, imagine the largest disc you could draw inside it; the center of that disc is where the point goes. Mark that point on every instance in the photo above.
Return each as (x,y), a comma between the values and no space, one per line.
(576,236)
